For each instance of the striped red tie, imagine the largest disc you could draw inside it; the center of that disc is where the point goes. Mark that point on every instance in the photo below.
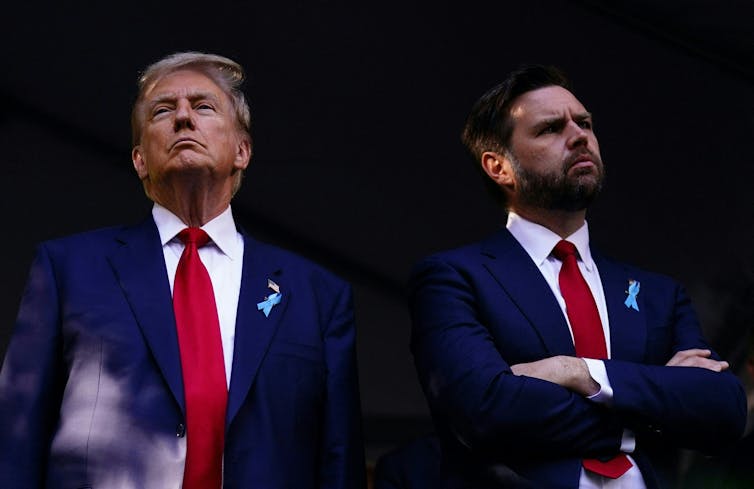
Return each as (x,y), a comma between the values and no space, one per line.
(202,363)
(588,336)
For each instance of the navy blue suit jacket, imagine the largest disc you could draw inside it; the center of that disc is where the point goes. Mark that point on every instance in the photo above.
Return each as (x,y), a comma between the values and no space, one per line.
(479,309)
(91,394)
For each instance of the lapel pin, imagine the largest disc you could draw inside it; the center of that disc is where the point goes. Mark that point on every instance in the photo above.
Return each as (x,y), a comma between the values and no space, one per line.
(633,291)
(272,285)
(271,300)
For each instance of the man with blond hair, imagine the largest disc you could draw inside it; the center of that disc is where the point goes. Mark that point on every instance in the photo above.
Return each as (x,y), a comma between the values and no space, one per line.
(180,352)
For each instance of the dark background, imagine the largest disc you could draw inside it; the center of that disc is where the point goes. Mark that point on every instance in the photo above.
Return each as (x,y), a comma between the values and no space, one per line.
(357,108)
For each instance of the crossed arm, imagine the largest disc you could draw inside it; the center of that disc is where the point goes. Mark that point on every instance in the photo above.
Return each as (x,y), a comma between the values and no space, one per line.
(469,339)
(573,374)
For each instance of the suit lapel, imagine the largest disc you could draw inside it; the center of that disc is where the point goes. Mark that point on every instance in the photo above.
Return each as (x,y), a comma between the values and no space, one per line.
(254,330)
(139,265)
(628,327)
(519,276)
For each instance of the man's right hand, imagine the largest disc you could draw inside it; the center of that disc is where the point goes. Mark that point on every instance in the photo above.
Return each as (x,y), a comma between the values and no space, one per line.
(697,357)
(569,372)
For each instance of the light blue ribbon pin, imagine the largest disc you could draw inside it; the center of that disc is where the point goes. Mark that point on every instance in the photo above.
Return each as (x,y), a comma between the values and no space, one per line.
(266,305)
(633,291)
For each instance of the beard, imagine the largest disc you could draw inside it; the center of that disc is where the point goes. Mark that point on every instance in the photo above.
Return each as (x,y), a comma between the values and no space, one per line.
(557,190)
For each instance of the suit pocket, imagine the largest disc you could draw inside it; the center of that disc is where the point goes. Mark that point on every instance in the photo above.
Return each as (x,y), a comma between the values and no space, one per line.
(297,366)
(301,351)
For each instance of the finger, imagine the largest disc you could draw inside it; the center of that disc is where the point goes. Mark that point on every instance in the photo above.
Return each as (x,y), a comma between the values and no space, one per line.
(714,366)
(702,362)
(682,357)
(695,352)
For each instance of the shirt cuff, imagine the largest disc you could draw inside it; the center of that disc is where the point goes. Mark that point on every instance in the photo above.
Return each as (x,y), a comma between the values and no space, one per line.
(628,442)
(598,372)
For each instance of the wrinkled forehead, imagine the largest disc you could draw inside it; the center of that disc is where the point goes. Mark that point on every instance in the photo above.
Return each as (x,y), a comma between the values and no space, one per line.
(182,83)
(545,103)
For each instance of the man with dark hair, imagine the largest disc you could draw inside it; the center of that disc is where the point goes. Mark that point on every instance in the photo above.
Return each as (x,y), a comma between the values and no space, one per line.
(546,364)
(181,352)
(489,126)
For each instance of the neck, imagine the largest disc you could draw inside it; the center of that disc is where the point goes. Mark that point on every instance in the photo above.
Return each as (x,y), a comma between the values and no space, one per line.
(562,223)
(194,205)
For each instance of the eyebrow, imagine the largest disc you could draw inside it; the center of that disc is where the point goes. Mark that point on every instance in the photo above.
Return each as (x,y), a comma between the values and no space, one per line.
(192,96)
(559,119)
(582,116)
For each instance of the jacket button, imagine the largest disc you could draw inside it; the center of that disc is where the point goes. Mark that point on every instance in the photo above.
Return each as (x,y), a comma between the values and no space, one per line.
(180,430)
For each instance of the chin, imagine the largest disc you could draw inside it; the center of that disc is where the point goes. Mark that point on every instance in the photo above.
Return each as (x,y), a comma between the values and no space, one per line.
(189,160)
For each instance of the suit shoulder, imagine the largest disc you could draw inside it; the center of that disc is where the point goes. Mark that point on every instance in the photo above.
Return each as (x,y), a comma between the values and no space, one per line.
(84,242)
(461,266)
(467,255)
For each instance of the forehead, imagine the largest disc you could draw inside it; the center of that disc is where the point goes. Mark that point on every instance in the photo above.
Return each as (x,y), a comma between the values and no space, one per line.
(184,83)
(546,102)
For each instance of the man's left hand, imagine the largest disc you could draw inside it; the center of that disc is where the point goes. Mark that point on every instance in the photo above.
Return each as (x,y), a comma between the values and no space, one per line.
(697,357)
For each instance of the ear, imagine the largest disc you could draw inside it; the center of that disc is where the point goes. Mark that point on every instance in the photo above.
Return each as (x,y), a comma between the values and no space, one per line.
(139,165)
(243,154)
(498,167)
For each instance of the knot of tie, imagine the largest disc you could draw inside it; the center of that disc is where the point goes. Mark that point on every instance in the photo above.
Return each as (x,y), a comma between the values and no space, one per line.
(564,249)
(194,235)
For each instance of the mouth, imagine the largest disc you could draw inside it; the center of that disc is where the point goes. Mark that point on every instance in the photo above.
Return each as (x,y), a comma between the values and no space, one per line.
(184,141)
(581,163)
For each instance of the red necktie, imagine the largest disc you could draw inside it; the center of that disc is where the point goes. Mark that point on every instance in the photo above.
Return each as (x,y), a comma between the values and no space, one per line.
(202,363)
(588,336)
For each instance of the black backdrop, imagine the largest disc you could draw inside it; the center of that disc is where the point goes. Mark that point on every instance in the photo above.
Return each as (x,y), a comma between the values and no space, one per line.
(357,163)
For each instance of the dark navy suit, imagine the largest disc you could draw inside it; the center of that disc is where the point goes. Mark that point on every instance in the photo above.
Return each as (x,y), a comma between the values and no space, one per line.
(91,394)
(479,309)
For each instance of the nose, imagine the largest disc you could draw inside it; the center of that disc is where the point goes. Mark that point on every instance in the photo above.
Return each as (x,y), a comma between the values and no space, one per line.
(184,118)
(577,135)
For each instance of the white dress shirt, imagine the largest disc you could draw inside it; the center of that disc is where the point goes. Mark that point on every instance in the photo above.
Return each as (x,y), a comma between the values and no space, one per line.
(223,259)
(538,242)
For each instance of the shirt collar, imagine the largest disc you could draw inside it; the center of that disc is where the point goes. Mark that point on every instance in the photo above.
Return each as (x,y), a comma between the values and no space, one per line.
(538,241)
(221,230)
